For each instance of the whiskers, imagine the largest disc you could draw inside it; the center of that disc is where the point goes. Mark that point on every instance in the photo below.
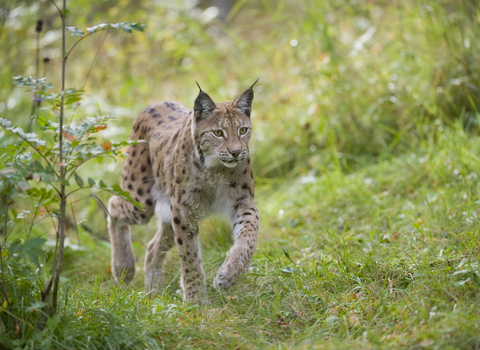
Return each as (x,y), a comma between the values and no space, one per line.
(251,157)
(212,161)
(216,162)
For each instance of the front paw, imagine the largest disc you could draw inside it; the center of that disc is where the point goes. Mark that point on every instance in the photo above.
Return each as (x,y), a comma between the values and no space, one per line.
(199,300)
(196,294)
(153,282)
(124,272)
(203,301)
(222,282)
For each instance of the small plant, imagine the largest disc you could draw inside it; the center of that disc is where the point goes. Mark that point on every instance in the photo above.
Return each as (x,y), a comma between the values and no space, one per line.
(44,169)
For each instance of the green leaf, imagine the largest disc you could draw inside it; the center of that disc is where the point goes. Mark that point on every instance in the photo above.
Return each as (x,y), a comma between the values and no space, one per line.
(138,27)
(98,27)
(79,180)
(29,137)
(316,300)
(126,27)
(37,306)
(288,270)
(75,31)
(117,190)
(287,255)
(63,181)
(47,86)
(22,215)
(30,249)
(91,182)
(461,283)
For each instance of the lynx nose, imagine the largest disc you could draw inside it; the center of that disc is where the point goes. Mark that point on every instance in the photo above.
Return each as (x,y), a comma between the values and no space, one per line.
(235,153)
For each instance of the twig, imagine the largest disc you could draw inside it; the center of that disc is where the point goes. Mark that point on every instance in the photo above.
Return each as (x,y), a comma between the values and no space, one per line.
(83,37)
(5,223)
(36,150)
(84,161)
(61,238)
(44,158)
(78,189)
(35,103)
(75,222)
(46,292)
(96,54)
(3,17)
(60,11)
(90,70)
(1,259)
(34,217)
(4,284)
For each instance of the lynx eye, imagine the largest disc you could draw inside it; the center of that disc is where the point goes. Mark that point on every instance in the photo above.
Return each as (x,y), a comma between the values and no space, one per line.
(243,131)
(218,133)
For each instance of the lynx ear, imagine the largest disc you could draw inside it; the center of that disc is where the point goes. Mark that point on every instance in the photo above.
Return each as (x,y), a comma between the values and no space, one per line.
(244,101)
(204,105)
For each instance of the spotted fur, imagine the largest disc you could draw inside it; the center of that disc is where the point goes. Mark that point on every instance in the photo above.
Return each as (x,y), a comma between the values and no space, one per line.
(184,172)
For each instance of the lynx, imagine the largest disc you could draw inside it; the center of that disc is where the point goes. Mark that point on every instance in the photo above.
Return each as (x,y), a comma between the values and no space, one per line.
(193,163)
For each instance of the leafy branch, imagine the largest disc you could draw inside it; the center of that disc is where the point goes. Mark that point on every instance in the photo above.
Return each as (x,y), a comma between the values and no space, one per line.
(56,163)
(126,26)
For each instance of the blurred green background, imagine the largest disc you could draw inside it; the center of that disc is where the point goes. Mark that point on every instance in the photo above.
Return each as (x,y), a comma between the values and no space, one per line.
(343,84)
(365,151)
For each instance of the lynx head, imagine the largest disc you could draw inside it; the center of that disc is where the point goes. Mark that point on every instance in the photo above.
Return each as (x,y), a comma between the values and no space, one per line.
(221,131)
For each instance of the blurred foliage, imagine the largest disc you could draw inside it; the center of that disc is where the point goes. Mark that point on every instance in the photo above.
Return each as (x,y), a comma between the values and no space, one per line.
(341,82)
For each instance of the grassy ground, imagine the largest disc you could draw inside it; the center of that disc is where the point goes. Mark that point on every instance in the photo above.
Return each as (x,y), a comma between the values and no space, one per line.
(367,173)
(386,256)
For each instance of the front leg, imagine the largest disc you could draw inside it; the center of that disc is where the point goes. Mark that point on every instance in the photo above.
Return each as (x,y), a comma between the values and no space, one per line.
(188,245)
(245,227)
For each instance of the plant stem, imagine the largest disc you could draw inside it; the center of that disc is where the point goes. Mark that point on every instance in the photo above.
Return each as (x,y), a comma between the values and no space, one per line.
(34,216)
(5,224)
(83,37)
(63,202)
(1,259)
(89,71)
(4,284)
(37,65)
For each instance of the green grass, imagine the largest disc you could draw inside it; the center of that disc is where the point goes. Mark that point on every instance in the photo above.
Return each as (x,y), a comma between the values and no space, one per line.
(383,257)
(367,177)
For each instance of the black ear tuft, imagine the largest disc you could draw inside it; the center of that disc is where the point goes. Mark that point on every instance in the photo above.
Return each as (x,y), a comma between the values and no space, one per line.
(244,101)
(203,106)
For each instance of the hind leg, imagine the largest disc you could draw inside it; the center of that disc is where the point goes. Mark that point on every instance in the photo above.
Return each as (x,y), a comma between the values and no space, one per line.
(155,256)
(122,215)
